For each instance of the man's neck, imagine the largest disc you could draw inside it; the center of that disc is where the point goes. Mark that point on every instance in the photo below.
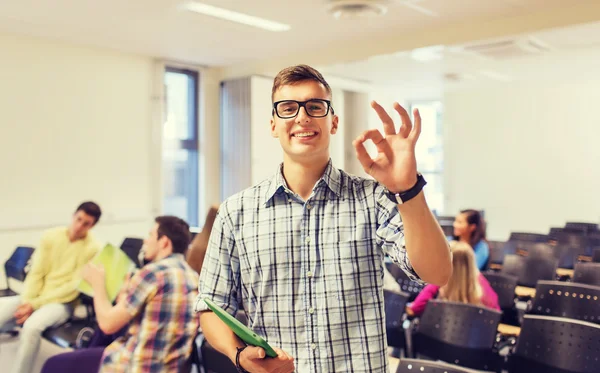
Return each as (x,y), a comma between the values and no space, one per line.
(162,255)
(73,238)
(302,177)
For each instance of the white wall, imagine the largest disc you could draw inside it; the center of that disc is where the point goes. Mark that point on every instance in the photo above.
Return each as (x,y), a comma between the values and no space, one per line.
(266,153)
(76,125)
(527,152)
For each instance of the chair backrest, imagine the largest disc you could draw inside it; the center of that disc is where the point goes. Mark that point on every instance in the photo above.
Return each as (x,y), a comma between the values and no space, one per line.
(496,251)
(528,237)
(394,308)
(417,366)
(567,299)
(587,273)
(132,246)
(574,240)
(199,245)
(566,254)
(596,256)
(585,227)
(539,250)
(460,324)
(530,270)
(16,265)
(504,285)
(547,343)
(406,284)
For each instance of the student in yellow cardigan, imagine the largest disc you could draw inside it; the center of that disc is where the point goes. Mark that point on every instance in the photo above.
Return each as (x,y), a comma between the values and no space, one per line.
(51,284)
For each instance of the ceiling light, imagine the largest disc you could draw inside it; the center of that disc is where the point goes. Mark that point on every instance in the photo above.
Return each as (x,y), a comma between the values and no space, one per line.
(232,16)
(426,54)
(356,8)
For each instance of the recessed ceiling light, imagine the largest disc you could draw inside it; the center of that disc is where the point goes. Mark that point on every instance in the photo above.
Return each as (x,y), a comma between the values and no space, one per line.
(356,8)
(230,15)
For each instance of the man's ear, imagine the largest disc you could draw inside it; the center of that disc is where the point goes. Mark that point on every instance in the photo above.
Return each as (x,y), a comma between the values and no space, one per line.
(273,132)
(334,124)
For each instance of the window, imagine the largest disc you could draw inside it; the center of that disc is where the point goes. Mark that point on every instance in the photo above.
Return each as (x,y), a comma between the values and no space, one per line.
(430,152)
(180,145)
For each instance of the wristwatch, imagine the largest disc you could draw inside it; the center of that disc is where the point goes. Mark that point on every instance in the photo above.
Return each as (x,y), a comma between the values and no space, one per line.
(407,195)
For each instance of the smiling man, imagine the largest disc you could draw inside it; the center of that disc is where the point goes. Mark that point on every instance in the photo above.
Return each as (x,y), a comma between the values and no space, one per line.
(303,251)
(51,284)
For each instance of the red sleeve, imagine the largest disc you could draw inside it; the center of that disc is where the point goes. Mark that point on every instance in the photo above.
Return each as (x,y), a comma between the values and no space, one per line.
(489,298)
(428,292)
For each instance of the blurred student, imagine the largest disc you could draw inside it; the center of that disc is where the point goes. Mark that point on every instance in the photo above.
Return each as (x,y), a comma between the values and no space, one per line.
(50,288)
(469,227)
(158,305)
(466,285)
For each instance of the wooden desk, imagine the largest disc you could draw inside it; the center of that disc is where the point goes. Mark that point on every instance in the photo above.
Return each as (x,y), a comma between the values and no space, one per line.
(523,291)
(564,272)
(393,364)
(559,271)
(509,329)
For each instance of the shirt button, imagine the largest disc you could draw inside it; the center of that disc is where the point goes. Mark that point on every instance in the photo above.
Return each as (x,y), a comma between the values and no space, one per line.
(311,310)
(308,206)
(307,239)
(309,274)
(313,346)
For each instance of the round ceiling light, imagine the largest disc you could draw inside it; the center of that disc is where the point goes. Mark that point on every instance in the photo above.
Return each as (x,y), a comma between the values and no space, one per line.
(356,8)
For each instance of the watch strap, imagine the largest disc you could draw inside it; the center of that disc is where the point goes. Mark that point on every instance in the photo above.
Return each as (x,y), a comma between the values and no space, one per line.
(407,195)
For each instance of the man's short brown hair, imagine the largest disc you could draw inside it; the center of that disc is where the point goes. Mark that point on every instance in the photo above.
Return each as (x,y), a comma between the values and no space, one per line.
(295,74)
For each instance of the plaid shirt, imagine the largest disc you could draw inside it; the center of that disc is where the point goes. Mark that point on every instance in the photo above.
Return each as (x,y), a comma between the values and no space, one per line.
(308,273)
(160,296)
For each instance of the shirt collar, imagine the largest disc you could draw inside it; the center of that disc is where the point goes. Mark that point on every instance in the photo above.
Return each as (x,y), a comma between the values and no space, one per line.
(332,177)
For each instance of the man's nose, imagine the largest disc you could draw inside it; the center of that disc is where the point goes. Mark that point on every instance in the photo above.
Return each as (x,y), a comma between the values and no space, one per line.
(302,116)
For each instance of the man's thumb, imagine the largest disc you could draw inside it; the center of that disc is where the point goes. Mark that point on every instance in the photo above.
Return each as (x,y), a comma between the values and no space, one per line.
(255,353)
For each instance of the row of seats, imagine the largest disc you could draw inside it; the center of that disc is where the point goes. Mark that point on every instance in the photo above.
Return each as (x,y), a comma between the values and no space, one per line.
(467,335)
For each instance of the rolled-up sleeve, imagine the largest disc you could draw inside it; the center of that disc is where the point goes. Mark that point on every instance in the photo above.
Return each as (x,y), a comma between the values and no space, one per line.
(219,277)
(390,232)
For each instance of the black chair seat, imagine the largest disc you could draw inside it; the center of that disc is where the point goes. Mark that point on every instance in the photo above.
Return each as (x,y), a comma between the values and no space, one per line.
(72,334)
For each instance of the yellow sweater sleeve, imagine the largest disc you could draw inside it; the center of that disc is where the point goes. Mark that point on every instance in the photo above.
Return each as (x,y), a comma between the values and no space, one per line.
(34,282)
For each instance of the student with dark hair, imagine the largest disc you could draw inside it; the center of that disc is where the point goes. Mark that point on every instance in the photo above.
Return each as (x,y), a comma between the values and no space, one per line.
(469,227)
(157,304)
(51,284)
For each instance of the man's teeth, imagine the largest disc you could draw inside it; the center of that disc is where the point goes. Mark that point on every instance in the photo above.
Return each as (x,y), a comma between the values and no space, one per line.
(304,134)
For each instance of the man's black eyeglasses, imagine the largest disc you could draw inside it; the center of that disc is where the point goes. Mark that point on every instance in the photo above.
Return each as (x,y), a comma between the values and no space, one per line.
(315,108)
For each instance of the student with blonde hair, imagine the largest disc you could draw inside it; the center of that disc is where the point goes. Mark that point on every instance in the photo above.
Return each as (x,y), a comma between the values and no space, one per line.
(466,285)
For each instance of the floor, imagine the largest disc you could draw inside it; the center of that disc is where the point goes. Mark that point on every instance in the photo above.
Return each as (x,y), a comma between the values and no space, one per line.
(8,349)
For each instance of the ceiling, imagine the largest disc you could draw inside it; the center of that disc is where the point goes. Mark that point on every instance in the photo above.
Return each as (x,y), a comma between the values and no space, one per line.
(570,51)
(159,28)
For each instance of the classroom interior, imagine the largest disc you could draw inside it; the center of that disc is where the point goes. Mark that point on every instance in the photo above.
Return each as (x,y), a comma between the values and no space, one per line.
(149,108)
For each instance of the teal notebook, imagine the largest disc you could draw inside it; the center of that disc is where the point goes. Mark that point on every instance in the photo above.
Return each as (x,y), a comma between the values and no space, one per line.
(116,266)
